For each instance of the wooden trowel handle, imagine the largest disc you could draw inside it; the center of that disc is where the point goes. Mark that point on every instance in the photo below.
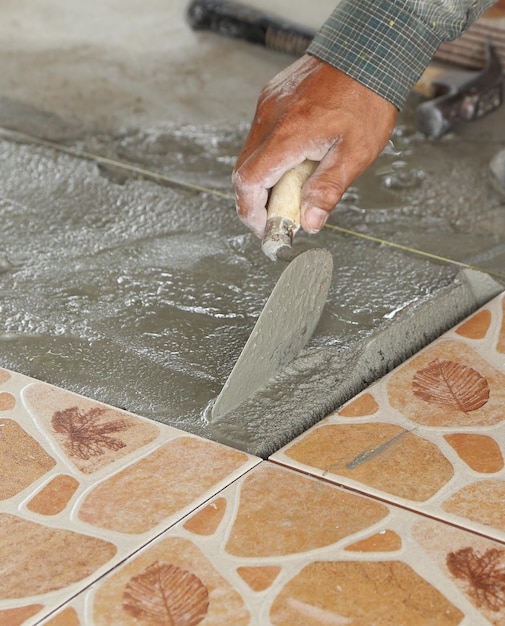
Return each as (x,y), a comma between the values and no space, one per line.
(283,209)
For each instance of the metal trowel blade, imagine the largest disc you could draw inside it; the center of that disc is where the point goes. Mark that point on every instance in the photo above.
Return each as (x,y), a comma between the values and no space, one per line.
(283,328)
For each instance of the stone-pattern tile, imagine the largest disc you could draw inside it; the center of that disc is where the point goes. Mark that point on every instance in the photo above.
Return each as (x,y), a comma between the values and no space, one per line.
(281,548)
(83,486)
(430,435)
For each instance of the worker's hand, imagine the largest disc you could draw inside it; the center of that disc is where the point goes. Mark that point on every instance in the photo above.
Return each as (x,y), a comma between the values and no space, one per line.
(310,111)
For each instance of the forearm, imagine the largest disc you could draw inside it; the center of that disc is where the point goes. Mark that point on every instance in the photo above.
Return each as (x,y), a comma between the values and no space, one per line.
(387,44)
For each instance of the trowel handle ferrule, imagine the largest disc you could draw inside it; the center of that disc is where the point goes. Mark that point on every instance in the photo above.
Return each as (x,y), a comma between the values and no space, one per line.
(284,209)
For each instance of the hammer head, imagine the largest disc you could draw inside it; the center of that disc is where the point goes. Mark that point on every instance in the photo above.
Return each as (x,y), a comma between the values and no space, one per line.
(467,101)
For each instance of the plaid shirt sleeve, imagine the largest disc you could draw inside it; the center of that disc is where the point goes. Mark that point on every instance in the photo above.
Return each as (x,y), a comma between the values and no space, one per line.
(387,44)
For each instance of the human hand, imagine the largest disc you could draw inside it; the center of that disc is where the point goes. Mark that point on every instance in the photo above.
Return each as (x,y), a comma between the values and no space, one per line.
(310,110)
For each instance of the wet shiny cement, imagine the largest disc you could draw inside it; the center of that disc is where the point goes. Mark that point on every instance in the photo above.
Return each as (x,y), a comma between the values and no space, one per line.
(142,295)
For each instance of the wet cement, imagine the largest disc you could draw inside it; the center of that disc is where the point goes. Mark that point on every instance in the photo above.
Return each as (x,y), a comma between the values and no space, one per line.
(322,379)
(142,295)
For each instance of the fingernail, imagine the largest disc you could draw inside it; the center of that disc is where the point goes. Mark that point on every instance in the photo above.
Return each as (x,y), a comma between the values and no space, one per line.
(315,219)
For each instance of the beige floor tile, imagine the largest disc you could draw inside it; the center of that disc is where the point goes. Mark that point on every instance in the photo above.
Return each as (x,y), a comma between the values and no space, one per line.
(282,548)
(430,435)
(83,486)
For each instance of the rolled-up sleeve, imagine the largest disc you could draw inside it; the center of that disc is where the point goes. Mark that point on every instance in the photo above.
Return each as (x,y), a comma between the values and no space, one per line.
(387,44)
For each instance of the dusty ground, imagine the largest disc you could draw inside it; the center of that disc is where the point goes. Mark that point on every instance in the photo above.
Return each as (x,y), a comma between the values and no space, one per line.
(133,62)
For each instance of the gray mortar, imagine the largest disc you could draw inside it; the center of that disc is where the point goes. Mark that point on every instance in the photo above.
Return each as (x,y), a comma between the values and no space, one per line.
(315,385)
(142,295)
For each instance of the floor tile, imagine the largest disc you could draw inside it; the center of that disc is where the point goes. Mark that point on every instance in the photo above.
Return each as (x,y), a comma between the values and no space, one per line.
(281,548)
(430,435)
(84,485)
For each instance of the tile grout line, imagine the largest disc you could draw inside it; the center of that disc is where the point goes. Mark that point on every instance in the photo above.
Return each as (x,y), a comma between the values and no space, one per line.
(384,500)
(152,540)
(16,135)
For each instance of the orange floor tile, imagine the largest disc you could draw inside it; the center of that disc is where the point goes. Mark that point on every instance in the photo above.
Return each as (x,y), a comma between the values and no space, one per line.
(109,518)
(430,435)
(282,548)
(85,485)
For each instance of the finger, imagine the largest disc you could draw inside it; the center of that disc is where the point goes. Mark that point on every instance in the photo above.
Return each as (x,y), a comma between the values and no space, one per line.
(341,165)
(250,203)
(259,173)
(261,126)
(251,189)
(253,182)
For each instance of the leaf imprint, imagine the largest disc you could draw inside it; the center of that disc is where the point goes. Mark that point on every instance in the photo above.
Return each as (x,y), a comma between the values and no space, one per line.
(485,575)
(451,385)
(166,594)
(86,435)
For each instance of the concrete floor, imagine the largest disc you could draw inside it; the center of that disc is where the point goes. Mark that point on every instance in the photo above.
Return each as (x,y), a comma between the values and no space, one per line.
(103,75)
(132,63)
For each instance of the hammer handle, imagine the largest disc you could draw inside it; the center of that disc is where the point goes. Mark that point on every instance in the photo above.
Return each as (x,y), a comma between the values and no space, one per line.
(239,21)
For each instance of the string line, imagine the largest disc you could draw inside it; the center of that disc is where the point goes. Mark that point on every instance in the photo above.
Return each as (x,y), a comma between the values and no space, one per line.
(221,194)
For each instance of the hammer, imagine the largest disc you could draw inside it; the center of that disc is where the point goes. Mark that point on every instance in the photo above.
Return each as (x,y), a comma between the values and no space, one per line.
(455,96)
(458,98)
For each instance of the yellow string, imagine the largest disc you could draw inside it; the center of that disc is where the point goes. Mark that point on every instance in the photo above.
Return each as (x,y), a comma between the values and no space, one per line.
(429,255)
(120,164)
(221,194)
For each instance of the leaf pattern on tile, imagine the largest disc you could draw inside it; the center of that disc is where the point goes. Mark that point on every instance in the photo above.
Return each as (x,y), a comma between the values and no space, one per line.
(226,605)
(402,398)
(95,434)
(85,434)
(165,594)
(484,573)
(452,385)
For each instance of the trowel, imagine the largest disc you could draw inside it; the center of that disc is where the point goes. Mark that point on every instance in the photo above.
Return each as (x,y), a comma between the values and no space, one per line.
(294,307)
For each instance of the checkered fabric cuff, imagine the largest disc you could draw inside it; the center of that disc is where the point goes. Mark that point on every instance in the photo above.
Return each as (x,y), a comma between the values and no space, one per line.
(380,44)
